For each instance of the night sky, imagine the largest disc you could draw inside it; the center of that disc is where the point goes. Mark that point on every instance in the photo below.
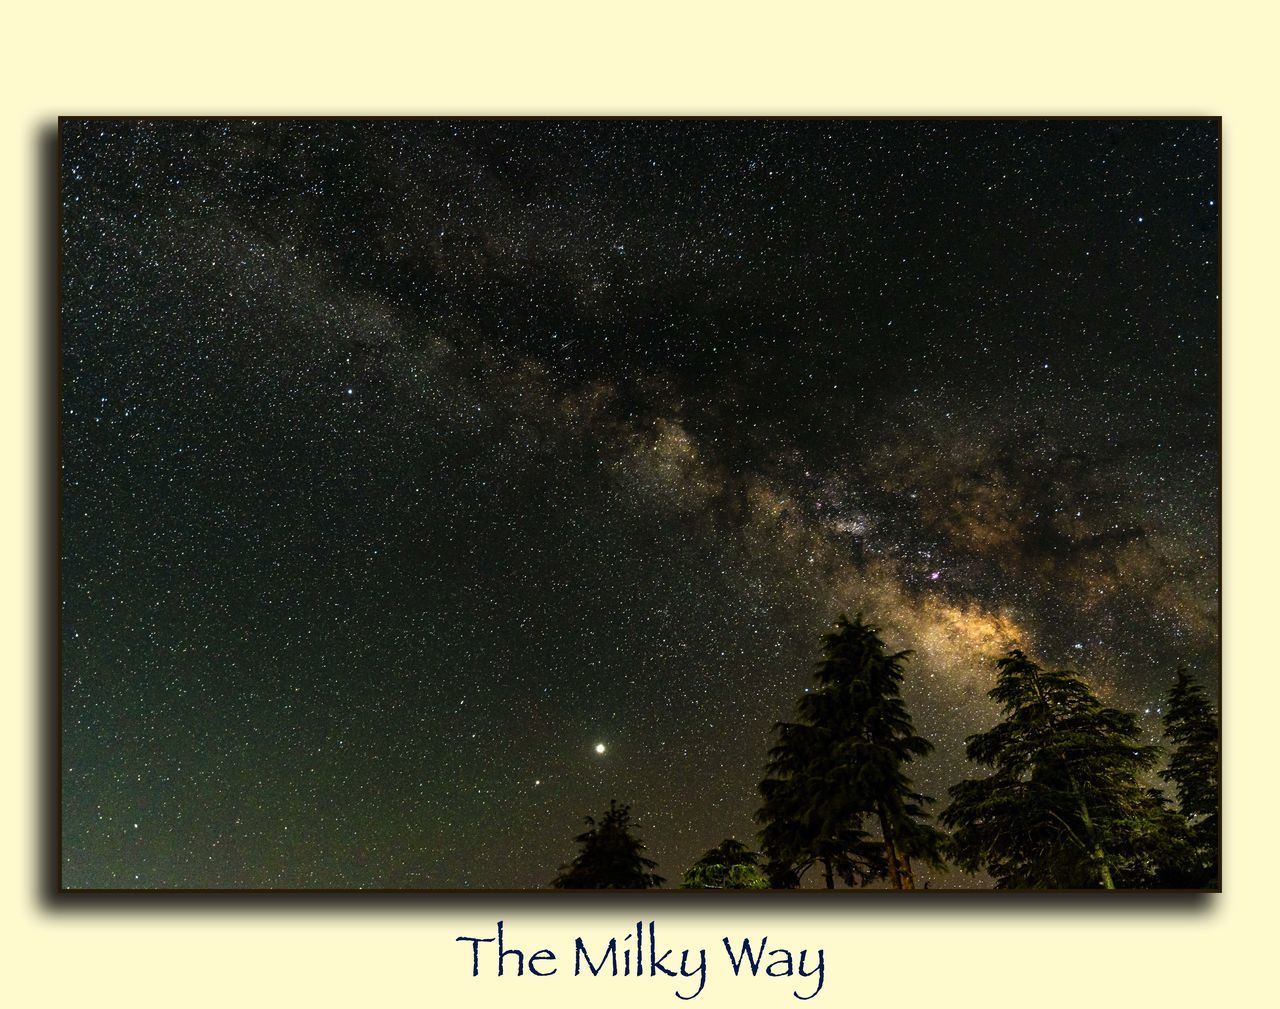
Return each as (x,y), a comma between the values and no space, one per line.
(407,463)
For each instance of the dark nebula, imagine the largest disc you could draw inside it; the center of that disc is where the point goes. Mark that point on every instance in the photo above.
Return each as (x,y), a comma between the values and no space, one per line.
(406,462)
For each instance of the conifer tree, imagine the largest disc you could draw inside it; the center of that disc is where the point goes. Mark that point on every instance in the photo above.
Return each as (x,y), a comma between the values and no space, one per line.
(801,828)
(842,763)
(610,857)
(1191,727)
(1063,806)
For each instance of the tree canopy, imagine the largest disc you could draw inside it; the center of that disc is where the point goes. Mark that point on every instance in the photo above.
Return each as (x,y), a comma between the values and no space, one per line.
(1191,727)
(1063,806)
(842,763)
(609,857)
(730,865)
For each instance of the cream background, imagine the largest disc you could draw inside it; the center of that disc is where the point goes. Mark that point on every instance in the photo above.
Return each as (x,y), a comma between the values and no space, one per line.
(744,57)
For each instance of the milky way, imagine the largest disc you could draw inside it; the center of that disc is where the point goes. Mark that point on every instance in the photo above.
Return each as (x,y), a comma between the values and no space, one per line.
(406,464)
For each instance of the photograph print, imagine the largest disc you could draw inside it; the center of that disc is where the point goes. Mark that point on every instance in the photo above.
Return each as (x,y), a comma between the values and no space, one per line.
(639,503)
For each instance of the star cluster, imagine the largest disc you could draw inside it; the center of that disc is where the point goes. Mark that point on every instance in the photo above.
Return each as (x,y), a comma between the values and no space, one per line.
(426,484)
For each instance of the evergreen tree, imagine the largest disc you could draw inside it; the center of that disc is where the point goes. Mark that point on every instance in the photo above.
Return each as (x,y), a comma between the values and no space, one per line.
(1063,806)
(1160,854)
(1191,727)
(727,866)
(802,827)
(842,763)
(610,857)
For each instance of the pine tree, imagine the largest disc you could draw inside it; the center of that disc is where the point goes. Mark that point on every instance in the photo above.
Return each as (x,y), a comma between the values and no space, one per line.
(610,857)
(1063,807)
(1191,727)
(801,826)
(842,763)
(1160,854)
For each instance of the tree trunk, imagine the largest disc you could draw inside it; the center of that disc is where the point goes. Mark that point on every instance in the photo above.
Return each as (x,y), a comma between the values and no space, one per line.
(831,880)
(890,849)
(908,879)
(1104,866)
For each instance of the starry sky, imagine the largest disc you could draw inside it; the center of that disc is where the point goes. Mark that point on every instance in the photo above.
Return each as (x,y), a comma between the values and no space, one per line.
(407,465)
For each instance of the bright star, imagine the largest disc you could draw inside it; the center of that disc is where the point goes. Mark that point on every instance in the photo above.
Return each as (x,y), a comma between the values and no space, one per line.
(599,747)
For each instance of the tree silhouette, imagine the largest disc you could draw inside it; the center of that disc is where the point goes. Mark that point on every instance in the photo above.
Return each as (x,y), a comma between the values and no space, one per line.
(730,865)
(1191,727)
(842,762)
(1063,806)
(802,826)
(610,857)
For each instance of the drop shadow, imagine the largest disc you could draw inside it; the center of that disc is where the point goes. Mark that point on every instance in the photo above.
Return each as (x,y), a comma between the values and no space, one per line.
(47,633)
